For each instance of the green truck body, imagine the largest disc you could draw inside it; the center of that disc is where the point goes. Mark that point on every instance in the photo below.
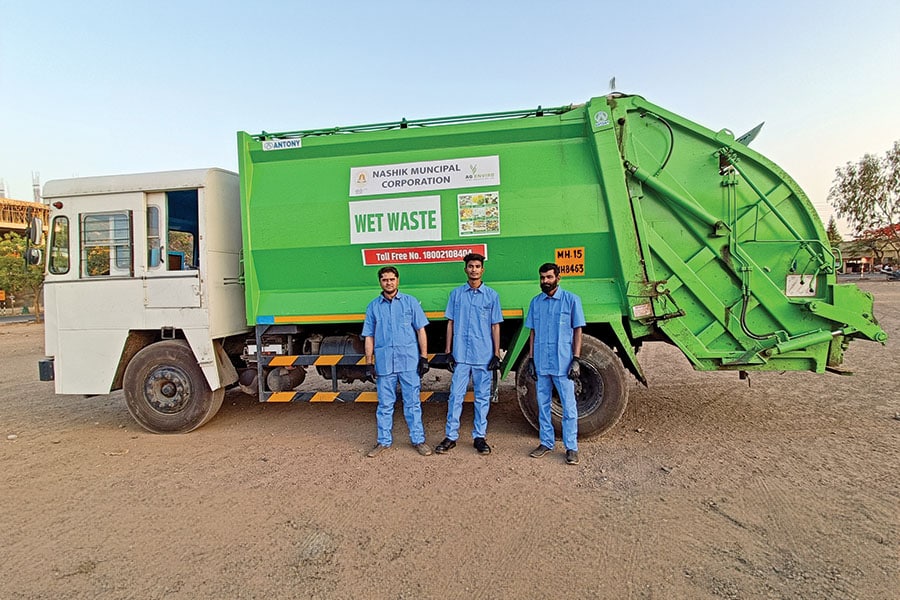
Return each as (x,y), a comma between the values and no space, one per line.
(667,230)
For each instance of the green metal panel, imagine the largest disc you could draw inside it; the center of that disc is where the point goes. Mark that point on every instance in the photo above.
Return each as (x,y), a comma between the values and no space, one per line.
(299,260)
(727,233)
(686,234)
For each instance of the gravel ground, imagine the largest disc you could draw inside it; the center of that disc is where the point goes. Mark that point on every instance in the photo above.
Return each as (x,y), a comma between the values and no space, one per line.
(707,488)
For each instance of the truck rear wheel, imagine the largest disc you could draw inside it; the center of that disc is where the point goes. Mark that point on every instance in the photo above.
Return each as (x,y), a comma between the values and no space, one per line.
(600,392)
(166,391)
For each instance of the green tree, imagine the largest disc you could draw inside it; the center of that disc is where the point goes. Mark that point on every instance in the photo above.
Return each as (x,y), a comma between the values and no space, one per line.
(834,236)
(181,241)
(867,194)
(15,275)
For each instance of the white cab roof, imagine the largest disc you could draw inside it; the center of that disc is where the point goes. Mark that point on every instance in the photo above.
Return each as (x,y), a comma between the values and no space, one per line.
(138,182)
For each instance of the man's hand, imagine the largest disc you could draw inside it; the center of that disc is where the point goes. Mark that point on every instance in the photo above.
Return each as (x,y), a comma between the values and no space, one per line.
(494,363)
(574,369)
(451,362)
(423,366)
(530,370)
(371,375)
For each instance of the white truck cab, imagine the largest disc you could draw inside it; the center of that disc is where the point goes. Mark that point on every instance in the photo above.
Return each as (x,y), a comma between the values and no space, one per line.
(142,291)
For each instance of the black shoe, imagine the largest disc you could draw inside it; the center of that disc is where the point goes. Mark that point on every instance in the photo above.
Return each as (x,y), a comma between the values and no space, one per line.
(482,446)
(378,449)
(539,451)
(571,457)
(445,446)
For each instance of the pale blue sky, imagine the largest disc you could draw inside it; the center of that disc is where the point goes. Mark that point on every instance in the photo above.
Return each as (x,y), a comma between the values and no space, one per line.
(98,88)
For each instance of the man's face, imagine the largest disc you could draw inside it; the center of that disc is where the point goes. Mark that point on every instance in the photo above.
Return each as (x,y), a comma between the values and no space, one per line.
(474,270)
(389,283)
(549,282)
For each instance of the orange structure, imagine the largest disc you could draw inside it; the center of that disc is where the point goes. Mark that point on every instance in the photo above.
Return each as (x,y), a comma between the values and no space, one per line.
(14,214)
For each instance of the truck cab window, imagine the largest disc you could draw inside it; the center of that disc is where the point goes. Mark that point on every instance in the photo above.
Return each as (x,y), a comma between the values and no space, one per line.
(58,262)
(106,245)
(182,230)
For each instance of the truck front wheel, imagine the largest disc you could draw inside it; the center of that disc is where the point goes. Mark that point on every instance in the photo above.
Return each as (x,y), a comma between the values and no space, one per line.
(601,393)
(166,391)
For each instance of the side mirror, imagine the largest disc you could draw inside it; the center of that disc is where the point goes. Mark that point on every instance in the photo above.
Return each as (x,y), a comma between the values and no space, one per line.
(33,256)
(36,232)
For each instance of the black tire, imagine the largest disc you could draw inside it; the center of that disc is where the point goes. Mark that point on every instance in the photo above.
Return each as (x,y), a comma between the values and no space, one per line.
(600,393)
(166,391)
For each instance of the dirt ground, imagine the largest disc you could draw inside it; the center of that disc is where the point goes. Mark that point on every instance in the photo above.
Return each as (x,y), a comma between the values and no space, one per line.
(707,488)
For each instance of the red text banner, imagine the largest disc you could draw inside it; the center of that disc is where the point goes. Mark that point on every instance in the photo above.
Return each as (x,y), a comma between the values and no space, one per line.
(420,254)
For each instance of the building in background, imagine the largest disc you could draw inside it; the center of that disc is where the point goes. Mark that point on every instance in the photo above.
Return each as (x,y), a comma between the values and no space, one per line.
(869,252)
(14,214)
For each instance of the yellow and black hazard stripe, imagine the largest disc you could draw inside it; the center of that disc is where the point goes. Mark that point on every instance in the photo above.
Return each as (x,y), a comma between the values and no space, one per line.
(353,397)
(349,397)
(329,360)
(314,360)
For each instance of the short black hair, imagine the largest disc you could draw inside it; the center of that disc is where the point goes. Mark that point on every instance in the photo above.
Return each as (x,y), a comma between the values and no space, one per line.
(473,256)
(384,270)
(549,267)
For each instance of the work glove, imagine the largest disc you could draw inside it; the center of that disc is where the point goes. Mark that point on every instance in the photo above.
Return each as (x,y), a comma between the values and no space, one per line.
(574,369)
(423,366)
(371,375)
(494,364)
(451,362)
(530,370)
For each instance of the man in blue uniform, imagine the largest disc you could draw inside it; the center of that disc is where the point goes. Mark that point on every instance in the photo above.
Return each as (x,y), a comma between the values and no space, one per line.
(473,349)
(555,318)
(396,350)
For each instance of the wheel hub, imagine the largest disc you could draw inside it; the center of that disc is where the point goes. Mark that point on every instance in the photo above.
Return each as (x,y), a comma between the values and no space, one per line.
(167,390)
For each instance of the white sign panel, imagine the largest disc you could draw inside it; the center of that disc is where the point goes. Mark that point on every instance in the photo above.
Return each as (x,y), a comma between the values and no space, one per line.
(800,286)
(425,176)
(395,220)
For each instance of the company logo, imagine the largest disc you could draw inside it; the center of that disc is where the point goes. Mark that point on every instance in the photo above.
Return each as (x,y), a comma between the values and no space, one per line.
(474,175)
(281,144)
(361,180)
(601,119)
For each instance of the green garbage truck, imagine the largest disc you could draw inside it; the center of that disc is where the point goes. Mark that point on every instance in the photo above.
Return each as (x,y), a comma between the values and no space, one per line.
(667,230)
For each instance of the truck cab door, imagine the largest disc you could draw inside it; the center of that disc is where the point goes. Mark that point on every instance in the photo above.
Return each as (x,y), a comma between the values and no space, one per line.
(172,273)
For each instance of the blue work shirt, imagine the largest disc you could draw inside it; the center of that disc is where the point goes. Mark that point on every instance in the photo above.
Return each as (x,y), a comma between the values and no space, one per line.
(393,324)
(473,311)
(553,319)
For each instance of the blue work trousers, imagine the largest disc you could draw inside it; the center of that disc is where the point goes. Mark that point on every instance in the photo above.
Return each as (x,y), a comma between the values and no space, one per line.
(565,387)
(410,383)
(481,386)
